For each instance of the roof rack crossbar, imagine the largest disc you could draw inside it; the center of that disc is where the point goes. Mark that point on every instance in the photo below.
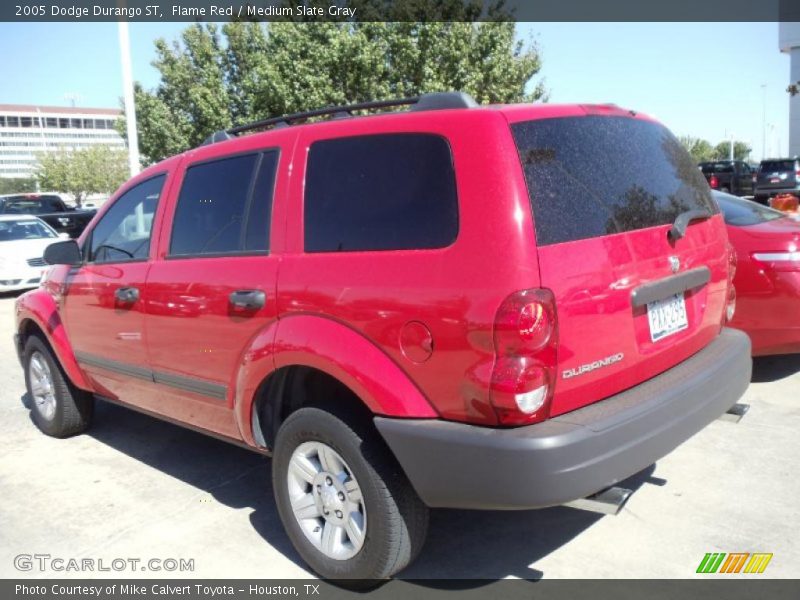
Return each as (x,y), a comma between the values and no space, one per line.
(433,101)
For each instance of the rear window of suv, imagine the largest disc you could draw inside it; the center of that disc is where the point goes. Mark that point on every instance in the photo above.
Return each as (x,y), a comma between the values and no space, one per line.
(772,166)
(600,175)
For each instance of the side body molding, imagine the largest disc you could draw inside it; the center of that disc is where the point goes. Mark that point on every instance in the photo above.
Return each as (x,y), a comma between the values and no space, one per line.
(341,352)
(40,308)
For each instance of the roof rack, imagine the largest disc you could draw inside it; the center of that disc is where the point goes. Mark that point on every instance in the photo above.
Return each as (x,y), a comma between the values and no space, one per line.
(433,101)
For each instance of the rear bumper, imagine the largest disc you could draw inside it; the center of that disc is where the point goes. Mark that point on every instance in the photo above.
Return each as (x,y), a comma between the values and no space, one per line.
(573,455)
(770,192)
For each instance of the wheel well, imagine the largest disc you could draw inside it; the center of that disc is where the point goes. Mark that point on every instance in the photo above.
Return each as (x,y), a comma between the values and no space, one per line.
(294,387)
(29,328)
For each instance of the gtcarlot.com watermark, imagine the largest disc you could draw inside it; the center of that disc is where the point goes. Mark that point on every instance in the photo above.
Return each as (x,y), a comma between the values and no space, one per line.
(46,563)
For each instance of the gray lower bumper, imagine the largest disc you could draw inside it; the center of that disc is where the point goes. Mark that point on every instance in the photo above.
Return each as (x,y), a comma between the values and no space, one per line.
(573,455)
(770,192)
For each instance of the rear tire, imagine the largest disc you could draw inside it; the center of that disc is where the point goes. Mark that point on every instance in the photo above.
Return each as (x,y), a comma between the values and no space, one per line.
(59,409)
(370,534)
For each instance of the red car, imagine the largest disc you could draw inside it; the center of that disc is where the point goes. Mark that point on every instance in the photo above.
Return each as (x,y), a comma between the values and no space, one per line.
(452,305)
(767,281)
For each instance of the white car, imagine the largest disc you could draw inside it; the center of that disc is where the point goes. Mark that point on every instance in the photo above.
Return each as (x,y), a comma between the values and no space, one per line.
(23,239)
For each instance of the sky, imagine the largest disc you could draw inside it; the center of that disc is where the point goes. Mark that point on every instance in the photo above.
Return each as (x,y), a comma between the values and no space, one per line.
(700,79)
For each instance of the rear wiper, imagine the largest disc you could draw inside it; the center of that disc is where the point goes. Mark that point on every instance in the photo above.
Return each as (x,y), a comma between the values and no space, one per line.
(682,221)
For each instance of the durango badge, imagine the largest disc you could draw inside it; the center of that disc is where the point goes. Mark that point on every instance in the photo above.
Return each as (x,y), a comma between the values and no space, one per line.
(588,367)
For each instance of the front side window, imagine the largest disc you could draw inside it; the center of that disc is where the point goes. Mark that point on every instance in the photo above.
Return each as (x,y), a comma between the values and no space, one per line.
(380,192)
(224,206)
(123,233)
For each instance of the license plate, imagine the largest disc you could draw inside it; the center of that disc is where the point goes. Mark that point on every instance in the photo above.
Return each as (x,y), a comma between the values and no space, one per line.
(775,180)
(667,316)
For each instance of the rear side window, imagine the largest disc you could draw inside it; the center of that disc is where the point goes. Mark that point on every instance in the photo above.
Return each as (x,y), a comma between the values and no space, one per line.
(772,166)
(380,192)
(600,175)
(224,206)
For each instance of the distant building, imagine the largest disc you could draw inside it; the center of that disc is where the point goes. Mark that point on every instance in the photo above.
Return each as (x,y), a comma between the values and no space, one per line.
(789,40)
(27,130)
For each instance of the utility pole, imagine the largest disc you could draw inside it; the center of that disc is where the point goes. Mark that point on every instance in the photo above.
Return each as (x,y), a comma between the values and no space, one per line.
(763,120)
(130,109)
(130,115)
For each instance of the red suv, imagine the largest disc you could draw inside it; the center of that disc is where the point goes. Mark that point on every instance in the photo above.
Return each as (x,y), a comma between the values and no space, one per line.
(496,307)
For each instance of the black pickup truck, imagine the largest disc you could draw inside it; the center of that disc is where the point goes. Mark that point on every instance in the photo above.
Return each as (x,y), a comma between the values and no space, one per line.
(51,209)
(730,176)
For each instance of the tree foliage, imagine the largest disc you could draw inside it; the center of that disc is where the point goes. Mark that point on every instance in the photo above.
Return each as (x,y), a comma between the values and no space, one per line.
(16,185)
(213,78)
(702,150)
(94,170)
(741,150)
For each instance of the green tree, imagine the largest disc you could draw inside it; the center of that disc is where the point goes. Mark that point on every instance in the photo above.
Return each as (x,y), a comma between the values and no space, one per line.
(16,185)
(741,151)
(214,77)
(94,170)
(700,149)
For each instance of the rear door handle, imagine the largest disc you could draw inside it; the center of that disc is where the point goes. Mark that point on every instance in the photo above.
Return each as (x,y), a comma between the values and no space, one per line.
(127,295)
(248,299)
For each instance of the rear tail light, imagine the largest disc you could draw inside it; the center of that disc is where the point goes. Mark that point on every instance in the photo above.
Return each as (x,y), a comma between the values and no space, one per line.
(713,182)
(779,261)
(733,262)
(730,308)
(525,340)
(730,304)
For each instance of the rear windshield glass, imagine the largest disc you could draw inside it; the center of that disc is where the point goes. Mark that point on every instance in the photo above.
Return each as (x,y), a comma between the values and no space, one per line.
(597,175)
(770,166)
(742,213)
(27,205)
(720,167)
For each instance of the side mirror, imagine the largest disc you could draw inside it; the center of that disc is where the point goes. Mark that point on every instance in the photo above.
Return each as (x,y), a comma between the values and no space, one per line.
(63,253)
(64,235)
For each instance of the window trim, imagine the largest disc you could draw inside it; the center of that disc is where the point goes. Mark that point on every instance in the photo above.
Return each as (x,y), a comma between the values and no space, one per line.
(248,203)
(306,169)
(87,247)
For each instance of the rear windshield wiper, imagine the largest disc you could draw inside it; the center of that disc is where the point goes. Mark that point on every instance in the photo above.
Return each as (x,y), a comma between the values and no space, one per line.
(682,221)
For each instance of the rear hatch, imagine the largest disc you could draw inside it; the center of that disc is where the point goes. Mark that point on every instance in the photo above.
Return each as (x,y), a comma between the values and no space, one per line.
(777,174)
(605,188)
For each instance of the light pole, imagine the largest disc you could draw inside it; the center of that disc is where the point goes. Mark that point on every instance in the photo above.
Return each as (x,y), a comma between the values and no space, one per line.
(130,108)
(763,120)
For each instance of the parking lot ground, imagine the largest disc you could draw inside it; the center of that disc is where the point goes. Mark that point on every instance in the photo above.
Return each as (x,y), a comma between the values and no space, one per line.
(136,487)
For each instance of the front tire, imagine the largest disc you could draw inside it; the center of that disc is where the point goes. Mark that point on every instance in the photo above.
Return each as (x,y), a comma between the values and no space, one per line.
(346,505)
(58,408)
